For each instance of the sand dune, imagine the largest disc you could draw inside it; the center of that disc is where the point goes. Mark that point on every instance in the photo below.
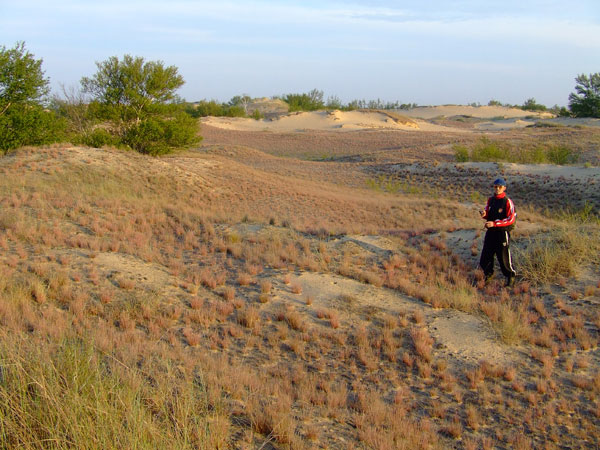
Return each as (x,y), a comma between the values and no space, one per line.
(448,118)
(480,112)
(326,121)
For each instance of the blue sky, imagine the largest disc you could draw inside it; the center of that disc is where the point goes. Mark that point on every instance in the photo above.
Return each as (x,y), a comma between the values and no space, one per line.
(428,52)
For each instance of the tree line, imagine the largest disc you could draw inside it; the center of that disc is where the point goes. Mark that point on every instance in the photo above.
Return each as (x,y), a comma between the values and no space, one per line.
(132,103)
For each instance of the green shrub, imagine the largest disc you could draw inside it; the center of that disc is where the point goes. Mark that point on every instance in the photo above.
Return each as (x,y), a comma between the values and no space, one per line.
(532,105)
(157,136)
(99,138)
(311,101)
(461,153)
(488,150)
(257,115)
(234,111)
(560,154)
(23,90)
(24,125)
(138,98)
(206,108)
(535,155)
(212,108)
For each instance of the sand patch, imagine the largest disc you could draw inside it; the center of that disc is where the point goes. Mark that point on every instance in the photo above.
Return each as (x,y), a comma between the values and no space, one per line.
(146,275)
(467,337)
(461,335)
(349,297)
(373,244)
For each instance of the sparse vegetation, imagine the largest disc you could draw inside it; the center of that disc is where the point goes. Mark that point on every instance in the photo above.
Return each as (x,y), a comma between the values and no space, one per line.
(234,298)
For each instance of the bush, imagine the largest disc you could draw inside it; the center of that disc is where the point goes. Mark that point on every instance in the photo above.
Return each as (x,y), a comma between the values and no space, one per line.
(211,108)
(206,108)
(23,88)
(138,100)
(560,154)
(157,136)
(311,101)
(488,150)
(257,115)
(461,153)
(29,125)
(532,105)
(234,111)
(99,138)
(559,253)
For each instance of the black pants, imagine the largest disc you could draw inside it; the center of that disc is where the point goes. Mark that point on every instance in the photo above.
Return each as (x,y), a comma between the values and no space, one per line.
(496,242)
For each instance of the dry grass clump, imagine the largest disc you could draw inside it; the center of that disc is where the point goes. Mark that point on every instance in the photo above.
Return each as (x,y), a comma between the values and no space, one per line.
(422,342)
(295,320)
(66,395)
(266,286)
(248,317)
(559,253)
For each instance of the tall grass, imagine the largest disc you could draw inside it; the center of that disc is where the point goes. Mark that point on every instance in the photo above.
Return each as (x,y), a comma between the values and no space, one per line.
(487,150)
(72,396)
(559,253)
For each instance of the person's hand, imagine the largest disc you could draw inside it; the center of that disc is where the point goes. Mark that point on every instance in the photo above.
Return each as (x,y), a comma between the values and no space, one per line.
(489,224)
(482,213)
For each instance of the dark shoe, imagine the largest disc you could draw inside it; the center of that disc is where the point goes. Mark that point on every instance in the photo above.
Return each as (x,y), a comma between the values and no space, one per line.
(510,281)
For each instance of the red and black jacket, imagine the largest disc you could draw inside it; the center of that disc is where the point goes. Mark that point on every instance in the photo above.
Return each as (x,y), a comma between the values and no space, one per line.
(501,210)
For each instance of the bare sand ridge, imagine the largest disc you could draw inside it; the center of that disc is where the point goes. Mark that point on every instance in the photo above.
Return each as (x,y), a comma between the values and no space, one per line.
(449,118)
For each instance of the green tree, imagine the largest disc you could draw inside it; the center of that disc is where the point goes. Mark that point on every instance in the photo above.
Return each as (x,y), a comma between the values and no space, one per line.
(334,102)
(242,101)
(585,101)
(23,89)
(310,101)
(139,100)
(531,105)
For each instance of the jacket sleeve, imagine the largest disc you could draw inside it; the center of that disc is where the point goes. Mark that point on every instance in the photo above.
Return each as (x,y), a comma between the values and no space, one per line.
(511,215)
(486,209)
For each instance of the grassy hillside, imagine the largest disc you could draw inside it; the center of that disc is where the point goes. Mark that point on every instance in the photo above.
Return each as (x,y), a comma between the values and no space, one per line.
(229,298)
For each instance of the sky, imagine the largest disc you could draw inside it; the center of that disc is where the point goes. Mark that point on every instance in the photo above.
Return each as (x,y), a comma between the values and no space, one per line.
(429,52)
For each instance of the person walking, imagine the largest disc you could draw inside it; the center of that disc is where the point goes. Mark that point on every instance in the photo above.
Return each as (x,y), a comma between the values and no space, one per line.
(499,215)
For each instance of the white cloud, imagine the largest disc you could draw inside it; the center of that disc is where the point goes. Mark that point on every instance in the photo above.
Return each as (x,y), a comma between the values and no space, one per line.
(364,22)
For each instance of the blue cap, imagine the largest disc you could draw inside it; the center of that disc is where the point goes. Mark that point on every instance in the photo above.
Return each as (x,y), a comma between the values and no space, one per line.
(499,182)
